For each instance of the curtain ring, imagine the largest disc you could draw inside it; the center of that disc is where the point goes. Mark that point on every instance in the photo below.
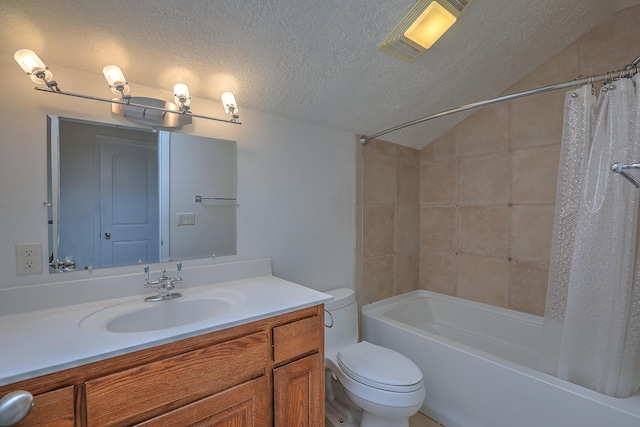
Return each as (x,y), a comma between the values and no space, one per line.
(330,317)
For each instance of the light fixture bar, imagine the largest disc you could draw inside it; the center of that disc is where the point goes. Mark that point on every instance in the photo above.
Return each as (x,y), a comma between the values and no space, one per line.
(132,104)
(138,109)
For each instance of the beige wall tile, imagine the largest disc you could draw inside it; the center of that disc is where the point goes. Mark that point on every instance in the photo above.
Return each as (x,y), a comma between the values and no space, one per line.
(563,67)
(379,178)
(378,278)
(381,147)
(438,272)
(359,223)
(407,272)
(438,228)
(608,47)
(407,229)
(484,179)
(534,174)
(438,182)
(359,172)
(407,182)
(407,154)
(485,131)
(531,232)
(378,230)
(528,290)
(442,148)
(484,230)
(536,120)
(483,279)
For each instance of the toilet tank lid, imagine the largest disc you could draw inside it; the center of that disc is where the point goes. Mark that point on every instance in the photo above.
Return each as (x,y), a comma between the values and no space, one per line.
(342,297)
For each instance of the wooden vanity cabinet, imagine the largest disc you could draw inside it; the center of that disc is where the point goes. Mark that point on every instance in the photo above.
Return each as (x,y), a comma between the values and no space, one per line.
(261,374)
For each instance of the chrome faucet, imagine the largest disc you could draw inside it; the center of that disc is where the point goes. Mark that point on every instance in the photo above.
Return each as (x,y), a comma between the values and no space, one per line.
(163,284)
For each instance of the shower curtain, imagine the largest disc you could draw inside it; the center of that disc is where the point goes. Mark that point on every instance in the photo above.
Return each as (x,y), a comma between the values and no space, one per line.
(591,331)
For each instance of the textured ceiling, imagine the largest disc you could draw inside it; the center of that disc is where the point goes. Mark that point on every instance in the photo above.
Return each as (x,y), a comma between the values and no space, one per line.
(312,60)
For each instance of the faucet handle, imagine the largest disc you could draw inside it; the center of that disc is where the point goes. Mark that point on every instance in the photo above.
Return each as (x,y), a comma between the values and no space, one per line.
(179,273)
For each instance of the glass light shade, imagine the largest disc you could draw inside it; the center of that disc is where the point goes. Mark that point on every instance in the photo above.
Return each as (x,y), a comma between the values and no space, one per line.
(430,25)
(32,65)
(115,78)
(181,94)
(229,101)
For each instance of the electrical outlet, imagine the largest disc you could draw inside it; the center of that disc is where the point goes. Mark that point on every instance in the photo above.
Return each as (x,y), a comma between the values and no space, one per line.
(29,258)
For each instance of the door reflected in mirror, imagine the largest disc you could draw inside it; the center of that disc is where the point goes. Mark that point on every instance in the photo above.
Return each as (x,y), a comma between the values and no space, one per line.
(124,196)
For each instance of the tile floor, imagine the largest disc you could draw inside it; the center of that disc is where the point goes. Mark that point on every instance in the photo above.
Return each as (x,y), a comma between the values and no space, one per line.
(419,420)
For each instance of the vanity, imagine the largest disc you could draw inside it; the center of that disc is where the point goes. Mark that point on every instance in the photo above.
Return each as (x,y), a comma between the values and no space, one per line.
(245,350)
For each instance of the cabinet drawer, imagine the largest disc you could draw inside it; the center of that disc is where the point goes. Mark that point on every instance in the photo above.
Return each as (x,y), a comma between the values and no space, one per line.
(146,391)
(246,405)
(54,408)
(298,338)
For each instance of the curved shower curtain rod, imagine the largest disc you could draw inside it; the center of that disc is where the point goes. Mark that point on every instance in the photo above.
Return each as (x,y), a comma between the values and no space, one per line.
(628,71)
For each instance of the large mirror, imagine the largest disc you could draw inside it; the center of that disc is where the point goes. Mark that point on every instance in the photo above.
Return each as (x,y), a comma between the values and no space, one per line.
(124,196)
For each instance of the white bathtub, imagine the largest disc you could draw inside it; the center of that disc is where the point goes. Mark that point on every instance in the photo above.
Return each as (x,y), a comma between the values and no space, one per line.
(479,365)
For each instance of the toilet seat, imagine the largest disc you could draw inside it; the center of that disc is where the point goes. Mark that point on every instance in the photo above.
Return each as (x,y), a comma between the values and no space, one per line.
(380,367)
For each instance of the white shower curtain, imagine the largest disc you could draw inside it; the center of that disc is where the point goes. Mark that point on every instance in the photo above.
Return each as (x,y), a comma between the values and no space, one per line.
(591,333)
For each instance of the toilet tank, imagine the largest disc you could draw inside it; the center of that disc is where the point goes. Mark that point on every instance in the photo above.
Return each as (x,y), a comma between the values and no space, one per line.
(340,320)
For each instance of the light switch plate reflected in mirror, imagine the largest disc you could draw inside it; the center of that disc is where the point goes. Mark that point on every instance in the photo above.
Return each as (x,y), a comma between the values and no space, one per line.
(186,218)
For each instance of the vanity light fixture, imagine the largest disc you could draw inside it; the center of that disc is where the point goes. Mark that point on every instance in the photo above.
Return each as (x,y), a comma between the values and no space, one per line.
(35,68)
(422,26)
(116,80)
(181,96)
(230,105)
(150,111)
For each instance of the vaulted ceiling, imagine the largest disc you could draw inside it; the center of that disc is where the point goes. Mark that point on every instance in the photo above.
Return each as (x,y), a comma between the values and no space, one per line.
(312,60)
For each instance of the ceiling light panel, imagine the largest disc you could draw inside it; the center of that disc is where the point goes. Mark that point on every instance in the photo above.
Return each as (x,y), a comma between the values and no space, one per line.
(423,24)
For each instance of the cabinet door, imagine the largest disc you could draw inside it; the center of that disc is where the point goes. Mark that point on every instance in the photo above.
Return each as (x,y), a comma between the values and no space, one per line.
(54,408)
(299,393)
(246,405)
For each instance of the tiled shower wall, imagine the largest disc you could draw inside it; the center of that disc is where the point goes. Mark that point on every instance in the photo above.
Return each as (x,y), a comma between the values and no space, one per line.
(388,220)
(471,214)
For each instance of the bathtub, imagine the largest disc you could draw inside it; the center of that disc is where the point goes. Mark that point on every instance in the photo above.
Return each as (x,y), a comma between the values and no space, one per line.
(479,365)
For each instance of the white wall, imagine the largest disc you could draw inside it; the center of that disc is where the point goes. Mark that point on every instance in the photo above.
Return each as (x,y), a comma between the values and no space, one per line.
(296,181)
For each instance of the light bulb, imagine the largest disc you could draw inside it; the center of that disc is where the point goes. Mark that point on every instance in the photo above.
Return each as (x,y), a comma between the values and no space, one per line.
(33,66)
(181,95)
(229,103)
(116,80)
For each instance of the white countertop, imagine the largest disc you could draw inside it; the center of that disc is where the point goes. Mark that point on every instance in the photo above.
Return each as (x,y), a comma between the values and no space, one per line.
(39,342)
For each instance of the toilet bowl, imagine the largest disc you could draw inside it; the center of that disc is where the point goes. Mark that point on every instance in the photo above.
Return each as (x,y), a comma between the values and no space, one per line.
(368,385)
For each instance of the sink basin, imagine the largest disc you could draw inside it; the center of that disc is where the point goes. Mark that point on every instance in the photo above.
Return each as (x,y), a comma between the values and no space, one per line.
(170,315)
(140,316)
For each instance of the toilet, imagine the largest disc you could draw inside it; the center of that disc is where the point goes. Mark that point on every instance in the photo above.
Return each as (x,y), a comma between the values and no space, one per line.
(366,385)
